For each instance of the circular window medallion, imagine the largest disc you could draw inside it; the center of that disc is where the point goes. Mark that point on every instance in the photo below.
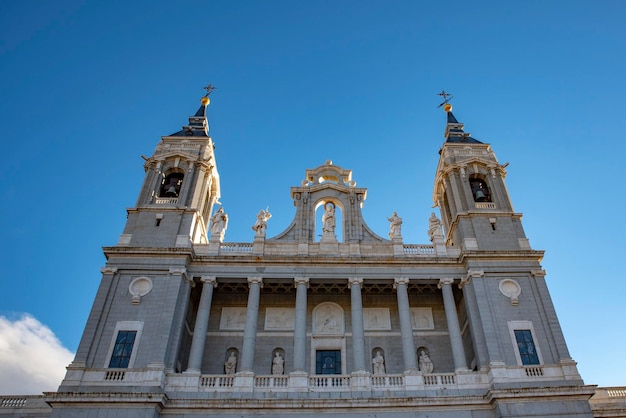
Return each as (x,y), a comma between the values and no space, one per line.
(139,287)
(511,289)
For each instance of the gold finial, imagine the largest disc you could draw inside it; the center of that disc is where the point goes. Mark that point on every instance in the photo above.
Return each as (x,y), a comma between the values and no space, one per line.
(446,98)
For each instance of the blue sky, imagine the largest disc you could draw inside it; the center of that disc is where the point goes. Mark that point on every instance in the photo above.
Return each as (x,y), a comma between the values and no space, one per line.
(88,87)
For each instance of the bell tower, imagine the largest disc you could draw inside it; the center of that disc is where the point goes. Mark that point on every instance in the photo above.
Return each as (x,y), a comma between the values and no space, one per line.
(471,194)
(179,190)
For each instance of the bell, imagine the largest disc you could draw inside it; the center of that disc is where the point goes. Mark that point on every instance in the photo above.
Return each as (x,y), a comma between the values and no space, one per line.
(171,192)
(479,195)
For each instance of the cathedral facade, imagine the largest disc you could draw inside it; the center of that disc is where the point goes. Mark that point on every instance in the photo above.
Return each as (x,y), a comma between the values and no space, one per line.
(354,324)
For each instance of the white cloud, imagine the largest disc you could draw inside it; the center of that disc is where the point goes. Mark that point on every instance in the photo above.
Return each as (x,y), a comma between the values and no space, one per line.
(32,359)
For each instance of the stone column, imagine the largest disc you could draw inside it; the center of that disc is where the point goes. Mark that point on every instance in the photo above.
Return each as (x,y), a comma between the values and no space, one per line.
(202,323)
(299,335)
(458,353)
(358,336)
(249,333)
(473,313)
(406,329)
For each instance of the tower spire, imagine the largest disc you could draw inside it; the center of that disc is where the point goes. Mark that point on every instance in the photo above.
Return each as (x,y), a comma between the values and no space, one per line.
(198,123)
(454,129)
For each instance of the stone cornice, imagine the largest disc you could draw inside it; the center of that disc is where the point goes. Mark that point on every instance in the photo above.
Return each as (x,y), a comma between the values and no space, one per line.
(56,399)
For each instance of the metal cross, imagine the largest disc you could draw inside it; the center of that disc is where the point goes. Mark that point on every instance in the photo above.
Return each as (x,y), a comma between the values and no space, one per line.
(209,89)
(446,97)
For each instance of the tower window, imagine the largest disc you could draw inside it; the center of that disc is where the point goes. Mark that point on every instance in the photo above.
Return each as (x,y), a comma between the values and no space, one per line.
(480,191)
(526,347)
(170,187)
(122,349)
(523,338)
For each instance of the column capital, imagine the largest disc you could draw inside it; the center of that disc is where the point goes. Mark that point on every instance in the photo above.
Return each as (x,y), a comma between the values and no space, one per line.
(255,280)
(399,281)
(538,273)
(209,280)
(445,281)
(470,275)
(108,270)
(182,271)
(301,280)
(475,273)
(355,280)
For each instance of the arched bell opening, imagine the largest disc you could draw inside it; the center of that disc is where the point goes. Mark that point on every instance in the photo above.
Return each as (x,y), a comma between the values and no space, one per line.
(480,190)
(329,220)
(171,184)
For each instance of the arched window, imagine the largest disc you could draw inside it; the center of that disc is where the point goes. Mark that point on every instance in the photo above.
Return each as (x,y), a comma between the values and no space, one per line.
(480,191)
(170,186)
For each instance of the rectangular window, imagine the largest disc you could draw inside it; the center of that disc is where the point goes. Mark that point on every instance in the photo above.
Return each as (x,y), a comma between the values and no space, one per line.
(526,347)
(122,349)
(328,362)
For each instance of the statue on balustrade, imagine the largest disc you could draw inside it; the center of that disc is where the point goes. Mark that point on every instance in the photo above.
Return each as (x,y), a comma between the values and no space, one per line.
(425,364)
(261,222)
(379,363)
(219,223)
(395,225)
(278,364)
(231,364)
(434,228)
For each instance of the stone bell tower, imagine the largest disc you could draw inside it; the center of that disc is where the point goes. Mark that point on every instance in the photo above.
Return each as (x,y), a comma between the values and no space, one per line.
(472,196)
(180,188)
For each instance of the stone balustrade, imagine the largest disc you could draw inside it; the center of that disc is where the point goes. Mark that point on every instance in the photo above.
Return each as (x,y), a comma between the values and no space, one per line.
(165,200)
(384,249)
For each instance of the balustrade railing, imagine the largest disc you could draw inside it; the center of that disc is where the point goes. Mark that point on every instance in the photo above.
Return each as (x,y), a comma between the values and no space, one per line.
(165,200)
(217,381)
(271,382)
(534,371)
(616,393)
(12,402)
(485,205)
(115,375)
(329,382)
(417,249)
(236,247)
(388,380)
(439,379)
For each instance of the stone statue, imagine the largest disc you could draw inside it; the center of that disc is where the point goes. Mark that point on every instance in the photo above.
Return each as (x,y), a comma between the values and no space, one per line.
(231,364)
(328,219)
(278,364)
(379,363)
(426,365)
(395,225)
(261,222)
(219,223)
(434,227)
